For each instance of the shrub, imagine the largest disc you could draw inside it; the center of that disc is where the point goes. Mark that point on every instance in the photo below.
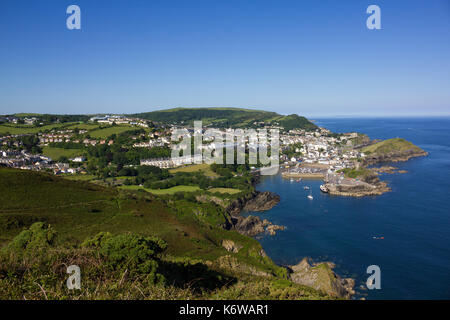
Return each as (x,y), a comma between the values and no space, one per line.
(137,254)
(40,235)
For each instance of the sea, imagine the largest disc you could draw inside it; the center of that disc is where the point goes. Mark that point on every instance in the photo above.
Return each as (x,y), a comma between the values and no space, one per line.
(405,232)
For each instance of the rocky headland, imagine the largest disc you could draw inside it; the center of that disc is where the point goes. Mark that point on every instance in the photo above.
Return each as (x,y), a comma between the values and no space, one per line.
(320,276)
(391,150)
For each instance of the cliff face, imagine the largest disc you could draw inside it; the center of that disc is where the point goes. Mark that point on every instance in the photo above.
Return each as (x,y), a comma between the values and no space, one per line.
(255,201)
(321,277)
(398,156)
(392,150)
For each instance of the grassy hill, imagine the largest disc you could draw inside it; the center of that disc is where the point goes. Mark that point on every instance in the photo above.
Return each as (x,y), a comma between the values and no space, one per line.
(227,117)
(391,145)
(195,263)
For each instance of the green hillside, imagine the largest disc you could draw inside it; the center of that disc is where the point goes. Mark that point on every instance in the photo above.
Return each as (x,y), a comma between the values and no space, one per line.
(391,145)
(117,237)
(228,117)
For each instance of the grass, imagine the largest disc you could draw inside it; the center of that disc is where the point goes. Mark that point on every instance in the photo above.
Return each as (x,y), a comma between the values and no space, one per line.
(56,153)
(224,190)
(163,191)
(106,132)
(204,167)
(78,210)
(80,177)
(390,145)
(356,173)
(84,126)
(26,129)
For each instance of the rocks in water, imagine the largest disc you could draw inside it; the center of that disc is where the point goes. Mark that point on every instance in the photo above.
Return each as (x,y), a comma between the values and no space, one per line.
(359,190)
(320,276)
(231,246)
(385,169)
(252,226)
(271,229)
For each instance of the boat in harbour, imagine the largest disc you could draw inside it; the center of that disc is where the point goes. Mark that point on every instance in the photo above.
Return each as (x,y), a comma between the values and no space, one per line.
(323,188)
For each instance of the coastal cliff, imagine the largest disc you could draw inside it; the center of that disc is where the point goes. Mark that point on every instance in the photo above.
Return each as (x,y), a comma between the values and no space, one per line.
(321,277)
(391,150)
(255,201)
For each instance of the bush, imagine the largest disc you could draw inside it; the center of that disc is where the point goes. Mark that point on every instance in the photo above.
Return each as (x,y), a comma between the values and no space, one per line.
(137,254)
(39,236)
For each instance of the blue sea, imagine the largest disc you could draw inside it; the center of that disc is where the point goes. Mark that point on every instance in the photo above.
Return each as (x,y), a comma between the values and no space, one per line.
(414,219)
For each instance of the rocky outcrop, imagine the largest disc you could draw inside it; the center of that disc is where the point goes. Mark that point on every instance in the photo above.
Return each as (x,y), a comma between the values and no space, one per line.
(255,201)
(320,276)
(231,246)
(252,226)
(395,156)
(232,263)
(360,190)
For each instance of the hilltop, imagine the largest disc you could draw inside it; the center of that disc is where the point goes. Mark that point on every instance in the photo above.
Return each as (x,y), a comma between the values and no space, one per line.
(228,117)
(392,150)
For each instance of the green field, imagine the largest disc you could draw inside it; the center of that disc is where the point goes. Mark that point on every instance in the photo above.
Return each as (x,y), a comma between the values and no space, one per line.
(106,132)
(224,190)
(80,177)
(24,129)
(163,191)
(56,153)
(85,126)
(205,168)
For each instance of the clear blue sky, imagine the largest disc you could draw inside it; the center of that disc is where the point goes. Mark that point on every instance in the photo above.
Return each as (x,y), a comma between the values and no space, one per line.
(314,58)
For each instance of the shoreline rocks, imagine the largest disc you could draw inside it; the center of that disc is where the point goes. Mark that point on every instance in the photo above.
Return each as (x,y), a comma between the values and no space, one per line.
(359,190)
(252,226)
(320,276)
(398,156)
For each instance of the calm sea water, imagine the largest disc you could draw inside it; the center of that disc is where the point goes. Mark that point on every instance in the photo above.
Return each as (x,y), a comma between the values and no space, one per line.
(414,218)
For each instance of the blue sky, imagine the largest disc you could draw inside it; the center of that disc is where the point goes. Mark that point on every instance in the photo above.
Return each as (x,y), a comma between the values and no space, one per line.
(314,58)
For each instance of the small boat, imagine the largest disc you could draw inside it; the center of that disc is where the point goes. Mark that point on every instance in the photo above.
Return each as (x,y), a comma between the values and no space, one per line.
(323,188)
(306,187)
(310,197)
(299,179)
(292,180)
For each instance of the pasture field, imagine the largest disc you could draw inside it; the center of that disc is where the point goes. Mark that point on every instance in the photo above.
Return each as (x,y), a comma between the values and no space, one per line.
(224,190)
(163,191)
(25,129)
(106,132)
(56,153)
(84,126)
(204,167)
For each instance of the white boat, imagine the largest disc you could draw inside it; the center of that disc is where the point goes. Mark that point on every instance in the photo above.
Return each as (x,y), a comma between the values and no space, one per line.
(323,188)
(310,197)
(306,187)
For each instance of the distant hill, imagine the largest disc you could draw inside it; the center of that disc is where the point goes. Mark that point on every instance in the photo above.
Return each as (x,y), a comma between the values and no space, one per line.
(227,117)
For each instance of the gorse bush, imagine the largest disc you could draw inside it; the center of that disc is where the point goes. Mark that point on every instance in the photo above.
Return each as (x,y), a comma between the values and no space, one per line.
(133,253)
(39,236)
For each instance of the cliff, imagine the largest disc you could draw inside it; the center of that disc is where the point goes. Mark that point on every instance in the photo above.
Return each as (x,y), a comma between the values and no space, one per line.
(321,277)
(391,150)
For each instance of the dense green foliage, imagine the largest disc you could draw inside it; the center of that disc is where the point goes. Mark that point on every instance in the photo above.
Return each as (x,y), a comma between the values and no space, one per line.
(228,117)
